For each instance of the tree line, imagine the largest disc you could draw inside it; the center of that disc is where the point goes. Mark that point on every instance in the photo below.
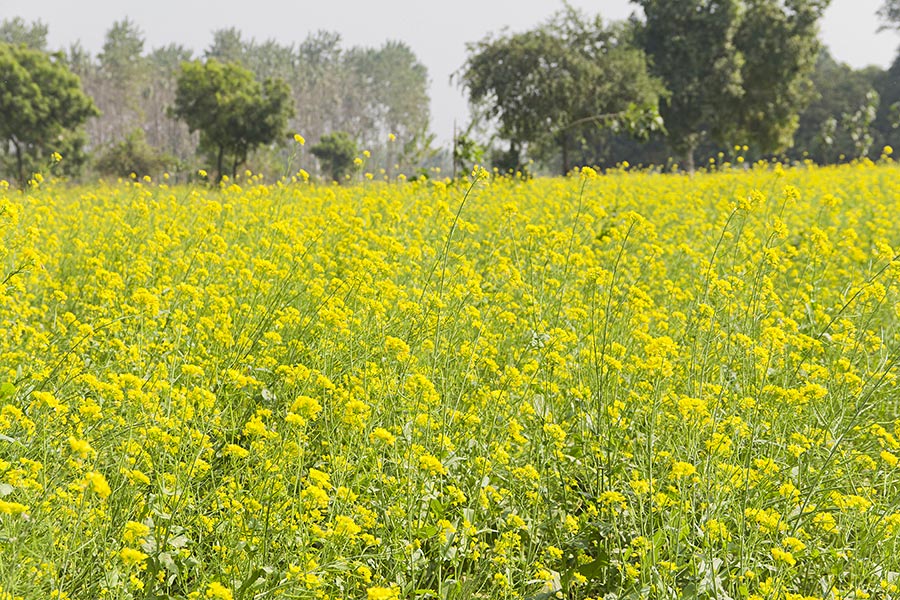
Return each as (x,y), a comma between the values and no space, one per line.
(139,116)
(726,79)
(689,79)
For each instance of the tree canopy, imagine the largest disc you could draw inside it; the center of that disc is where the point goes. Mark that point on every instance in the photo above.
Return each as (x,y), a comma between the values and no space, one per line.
(16,31)
(43,106)
(736,70)
(890,14)
(233,112)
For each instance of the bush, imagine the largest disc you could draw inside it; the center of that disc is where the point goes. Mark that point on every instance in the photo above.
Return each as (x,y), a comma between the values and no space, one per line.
(132,155)
(337,154)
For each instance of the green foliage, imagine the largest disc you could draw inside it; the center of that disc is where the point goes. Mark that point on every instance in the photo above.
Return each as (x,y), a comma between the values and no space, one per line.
(123,49)
(737,70)
(132,155)
(395,86)
(691,47)
(545,86)
(233,112)
(779,47)
(17,31)
(824,127)
(43,106)
(858,124)
(887,123)
(336,152)
(467,153)
(227,46)
(890,14)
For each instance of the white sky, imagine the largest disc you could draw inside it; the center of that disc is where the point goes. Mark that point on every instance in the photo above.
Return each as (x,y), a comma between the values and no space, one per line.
(437,33)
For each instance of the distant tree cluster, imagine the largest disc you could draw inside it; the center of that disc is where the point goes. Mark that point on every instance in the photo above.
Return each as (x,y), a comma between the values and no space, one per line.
(149,111)
(721,74)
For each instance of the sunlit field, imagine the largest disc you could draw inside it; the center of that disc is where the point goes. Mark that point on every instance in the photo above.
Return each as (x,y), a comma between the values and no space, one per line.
(627,385)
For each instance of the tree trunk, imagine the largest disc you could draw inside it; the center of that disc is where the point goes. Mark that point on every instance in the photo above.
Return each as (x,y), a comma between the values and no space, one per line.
(219,160)
(20,167)
(689,159)
(565,154)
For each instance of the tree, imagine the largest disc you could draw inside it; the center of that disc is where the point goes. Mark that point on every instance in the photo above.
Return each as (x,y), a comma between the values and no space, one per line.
(887,123)
(839,93)
(233,112)
(43,107)
(736,70)
(337,152)
(546,85)
(131,155)
(164,132)
(122,54)
(227,47)
(890,14)
(390,93)
(17,31)
(691,47)
(118,83)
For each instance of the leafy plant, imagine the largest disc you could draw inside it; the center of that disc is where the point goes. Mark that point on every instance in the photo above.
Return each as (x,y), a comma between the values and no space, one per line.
(337,153)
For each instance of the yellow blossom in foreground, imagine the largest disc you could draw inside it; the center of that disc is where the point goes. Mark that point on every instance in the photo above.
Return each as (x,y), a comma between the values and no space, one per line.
(217,591)
(717,531)
(682,469)
(136,476)
(432,465)
(346,526)
(236,451)
(97,483)
(134,532)
(382,434)
(12,508)
(784,557)
(131,557)
(306,407)
(80,447)
(382,593)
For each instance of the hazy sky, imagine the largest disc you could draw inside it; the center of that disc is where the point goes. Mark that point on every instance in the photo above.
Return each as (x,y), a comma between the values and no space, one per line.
(436,32)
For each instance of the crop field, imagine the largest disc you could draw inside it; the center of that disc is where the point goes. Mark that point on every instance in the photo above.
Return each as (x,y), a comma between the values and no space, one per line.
(628,385)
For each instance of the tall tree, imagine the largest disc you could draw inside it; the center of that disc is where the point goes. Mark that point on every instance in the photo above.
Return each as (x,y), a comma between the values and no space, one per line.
(116,82)
(227,46)
(890,14)
(543,84)
(736,70)
(233,112)
(390,95)
(163,131)
(691,47)
(887,122)
(43,107)
(779,42)
(839,92)
(17,31)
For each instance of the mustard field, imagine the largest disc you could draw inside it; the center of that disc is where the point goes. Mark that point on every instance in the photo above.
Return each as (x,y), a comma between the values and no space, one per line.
(628,385)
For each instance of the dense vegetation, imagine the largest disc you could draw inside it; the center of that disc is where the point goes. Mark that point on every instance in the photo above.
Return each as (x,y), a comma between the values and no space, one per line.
(643,385)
